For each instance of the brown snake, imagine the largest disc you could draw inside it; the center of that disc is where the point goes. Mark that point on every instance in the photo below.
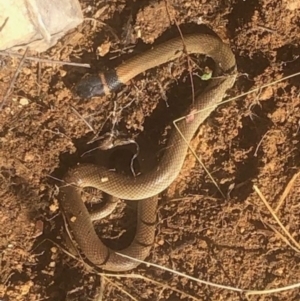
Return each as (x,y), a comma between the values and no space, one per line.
(147,186)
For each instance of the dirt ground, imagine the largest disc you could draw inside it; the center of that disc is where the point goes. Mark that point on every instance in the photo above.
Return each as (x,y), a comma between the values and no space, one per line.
(228,238)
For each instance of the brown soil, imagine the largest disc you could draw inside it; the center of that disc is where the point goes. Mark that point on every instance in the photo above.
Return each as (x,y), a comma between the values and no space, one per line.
(231,240)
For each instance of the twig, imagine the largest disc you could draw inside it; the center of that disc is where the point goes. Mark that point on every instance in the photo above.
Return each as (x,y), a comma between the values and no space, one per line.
(48,61)
(11,86)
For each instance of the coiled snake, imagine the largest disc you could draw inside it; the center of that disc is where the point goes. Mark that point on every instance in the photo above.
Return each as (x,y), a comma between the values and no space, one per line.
(146,186)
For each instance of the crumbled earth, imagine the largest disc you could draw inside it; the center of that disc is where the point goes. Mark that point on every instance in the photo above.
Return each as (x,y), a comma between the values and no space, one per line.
(221,231)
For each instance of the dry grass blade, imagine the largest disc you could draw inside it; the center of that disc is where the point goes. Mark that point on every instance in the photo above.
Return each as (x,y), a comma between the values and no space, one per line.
(100,294)
(283,237)
(246,292)
(184,275)
(41,60)
(119,288)
(163,285)
(64,251)
(287,191)
(276,218)
(197,158)
(83,119)
(11,86)
(273,290)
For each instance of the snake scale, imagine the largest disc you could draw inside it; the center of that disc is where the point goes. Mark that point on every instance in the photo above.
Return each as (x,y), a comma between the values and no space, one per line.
(145,187)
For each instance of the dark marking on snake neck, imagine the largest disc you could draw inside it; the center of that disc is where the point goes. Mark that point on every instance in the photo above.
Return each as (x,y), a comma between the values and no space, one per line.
(98,84)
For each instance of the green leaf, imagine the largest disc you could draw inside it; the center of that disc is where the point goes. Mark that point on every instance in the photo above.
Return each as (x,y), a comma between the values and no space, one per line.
(207,74)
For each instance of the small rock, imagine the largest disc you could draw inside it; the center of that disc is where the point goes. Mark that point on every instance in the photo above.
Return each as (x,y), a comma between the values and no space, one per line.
(103,49)
(63,73)
(73,219)
(53,250)
(24,101)
(29,157)
(54,207)
(161,242)
(52,264)
(26,71)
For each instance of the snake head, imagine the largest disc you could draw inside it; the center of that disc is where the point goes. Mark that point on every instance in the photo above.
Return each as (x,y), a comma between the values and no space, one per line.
(90,86)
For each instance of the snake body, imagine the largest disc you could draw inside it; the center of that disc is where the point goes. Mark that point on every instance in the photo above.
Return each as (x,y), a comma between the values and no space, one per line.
(145,187)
